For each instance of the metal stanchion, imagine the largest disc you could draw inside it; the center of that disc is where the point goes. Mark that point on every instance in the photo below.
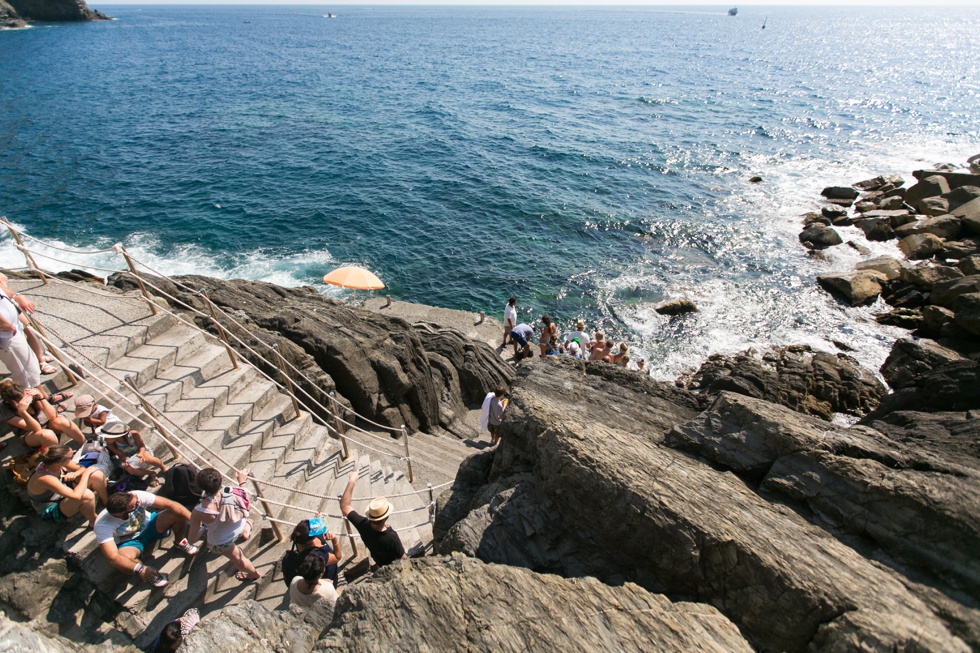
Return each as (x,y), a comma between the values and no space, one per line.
(289,382)
(139,282)
(337,427)
(221,330)
(268,511)
(408,455)
(151,414)
(31,263)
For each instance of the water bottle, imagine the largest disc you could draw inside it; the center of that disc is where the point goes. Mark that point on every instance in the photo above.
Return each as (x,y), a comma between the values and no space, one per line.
(318,526)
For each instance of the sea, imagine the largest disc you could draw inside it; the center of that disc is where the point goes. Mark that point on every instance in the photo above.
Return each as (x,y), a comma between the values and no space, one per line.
(594,162)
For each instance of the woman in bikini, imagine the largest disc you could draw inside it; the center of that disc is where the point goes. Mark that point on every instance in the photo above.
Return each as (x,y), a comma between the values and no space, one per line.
(61,488)
(224,532)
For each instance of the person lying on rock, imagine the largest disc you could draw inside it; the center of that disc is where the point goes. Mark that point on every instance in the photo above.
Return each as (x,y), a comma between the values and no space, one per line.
(309,585)
(28,410)
(224,510)
(127,529)
(59,488)
(379,538)
(306,543)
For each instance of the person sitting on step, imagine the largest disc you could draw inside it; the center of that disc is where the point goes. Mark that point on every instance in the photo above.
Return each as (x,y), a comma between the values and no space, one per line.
(309,585)
(126,529)
(306,543)
(224,510)
(379,538)
(59,488)
(28,410)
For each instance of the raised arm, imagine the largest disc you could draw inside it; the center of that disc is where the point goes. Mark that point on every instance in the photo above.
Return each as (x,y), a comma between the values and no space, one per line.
(348,493)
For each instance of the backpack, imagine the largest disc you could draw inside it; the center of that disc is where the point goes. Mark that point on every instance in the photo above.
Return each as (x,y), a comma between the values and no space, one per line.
(23,466)
(233,504)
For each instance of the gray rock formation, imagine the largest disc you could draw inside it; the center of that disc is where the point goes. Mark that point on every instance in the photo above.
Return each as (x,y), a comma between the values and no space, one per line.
(584,484)
(250,626)
(856,288)
(818,236)
(910,358)
(9,18)
(920,246)
(462,604)
(53,10)
(377,363)
(839,193)
(798,377)
(678,306)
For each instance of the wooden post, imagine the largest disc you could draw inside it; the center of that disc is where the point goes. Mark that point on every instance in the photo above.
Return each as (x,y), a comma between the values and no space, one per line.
(54,352)
(268,511)
(483,316)
(408,455)
(432,505)
(350,534)
(31,263)
(337,427)
(388,300)
(139,281)
(151,413)
(289,382)
(221,330)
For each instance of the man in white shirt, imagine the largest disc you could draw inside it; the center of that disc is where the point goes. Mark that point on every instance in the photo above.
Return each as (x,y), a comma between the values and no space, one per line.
(510,317)
(579,334)
(125,529)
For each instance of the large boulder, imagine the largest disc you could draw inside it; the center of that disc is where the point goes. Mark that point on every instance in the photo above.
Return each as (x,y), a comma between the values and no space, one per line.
(967,312)
(954,386)
(926,275)
(944,292)
(817,236)
(953,178)
(9,19)
(910,503)
(911,357)
(461,604)
(876,183)
(933,206)
(803,379)
(681,305)
(920,246)
(856,288)
(887,265)
(877,229)
(251,626)
(839,193)
(969,213)
(960,196)
(582,484)
(933,186)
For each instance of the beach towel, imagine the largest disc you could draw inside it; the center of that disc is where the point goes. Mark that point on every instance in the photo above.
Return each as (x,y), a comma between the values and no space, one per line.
(485,412)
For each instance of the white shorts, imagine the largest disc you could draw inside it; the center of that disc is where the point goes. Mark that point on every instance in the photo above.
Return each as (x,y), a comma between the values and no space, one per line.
(20,361)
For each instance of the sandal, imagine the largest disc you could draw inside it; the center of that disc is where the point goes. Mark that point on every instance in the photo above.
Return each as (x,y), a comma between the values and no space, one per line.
(59,397)
(61,408)
(245,578)
(47,368)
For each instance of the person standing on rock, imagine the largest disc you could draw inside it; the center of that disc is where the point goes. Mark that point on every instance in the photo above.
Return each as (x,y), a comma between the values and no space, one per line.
(578,334)
(379,538)
(496,414)
(510,317)
(127,528)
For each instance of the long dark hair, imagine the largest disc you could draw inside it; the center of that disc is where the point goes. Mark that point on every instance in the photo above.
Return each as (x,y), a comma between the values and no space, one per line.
(300,534)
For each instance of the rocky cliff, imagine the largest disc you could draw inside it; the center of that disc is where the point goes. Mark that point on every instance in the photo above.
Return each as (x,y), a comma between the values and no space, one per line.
(806,536)
(16,13)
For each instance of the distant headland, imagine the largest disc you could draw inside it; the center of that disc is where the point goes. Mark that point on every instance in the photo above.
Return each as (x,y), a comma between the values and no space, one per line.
(18,13)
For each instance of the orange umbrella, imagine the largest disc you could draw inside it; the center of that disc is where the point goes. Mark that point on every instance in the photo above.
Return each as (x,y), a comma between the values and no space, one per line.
(354,278)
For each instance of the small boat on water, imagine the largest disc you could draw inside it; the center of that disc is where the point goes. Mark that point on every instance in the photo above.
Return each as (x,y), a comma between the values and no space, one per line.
(733,11)
(331,15)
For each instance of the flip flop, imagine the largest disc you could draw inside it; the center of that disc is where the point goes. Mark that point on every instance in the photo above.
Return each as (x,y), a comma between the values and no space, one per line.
(47,368)
(58,397)
(245,578)
(61,408)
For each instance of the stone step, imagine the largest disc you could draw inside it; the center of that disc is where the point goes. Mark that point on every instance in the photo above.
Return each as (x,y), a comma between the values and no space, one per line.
(180,381)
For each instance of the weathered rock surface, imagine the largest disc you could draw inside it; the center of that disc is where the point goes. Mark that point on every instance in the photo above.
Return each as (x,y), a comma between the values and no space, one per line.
(944,292)
(929,187)
(250,626)
(888,266)
(839,193)
(55,10)
(953,179)
(9,18)
(798,377)
(856,288)
(913,505)
(377,363)
(818,236)
(582,467)
(920,246)
(911,357)
(677,307)
(461,604)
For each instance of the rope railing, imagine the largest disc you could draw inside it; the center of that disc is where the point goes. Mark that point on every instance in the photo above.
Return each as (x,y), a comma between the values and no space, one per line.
(173,441)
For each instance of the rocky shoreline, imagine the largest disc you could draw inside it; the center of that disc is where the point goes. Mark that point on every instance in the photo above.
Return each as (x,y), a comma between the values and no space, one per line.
(730,510)
(17,14)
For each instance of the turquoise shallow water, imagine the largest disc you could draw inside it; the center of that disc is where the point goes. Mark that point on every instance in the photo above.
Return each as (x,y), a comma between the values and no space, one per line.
(594,162)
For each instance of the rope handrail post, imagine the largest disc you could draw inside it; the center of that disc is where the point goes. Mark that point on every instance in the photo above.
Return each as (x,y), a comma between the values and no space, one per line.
(350,534)
(408,455)
(32,320)
(338,427)
(139,280)
(151,414)
(268,511)
(432,505)
(221,330)
(289,382)
(31,263)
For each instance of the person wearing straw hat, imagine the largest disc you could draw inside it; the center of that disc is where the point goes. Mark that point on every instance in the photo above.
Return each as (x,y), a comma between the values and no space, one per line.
(124,443)
(379,538)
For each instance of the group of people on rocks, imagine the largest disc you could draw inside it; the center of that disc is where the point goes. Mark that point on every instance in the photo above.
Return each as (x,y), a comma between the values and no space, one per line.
(67,480)
(576,343)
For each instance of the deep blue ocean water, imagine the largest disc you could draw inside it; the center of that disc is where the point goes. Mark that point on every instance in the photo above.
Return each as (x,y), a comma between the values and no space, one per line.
(591,161)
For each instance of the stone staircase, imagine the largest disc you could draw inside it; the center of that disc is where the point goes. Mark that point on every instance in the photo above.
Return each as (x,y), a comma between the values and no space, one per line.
(237,413)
